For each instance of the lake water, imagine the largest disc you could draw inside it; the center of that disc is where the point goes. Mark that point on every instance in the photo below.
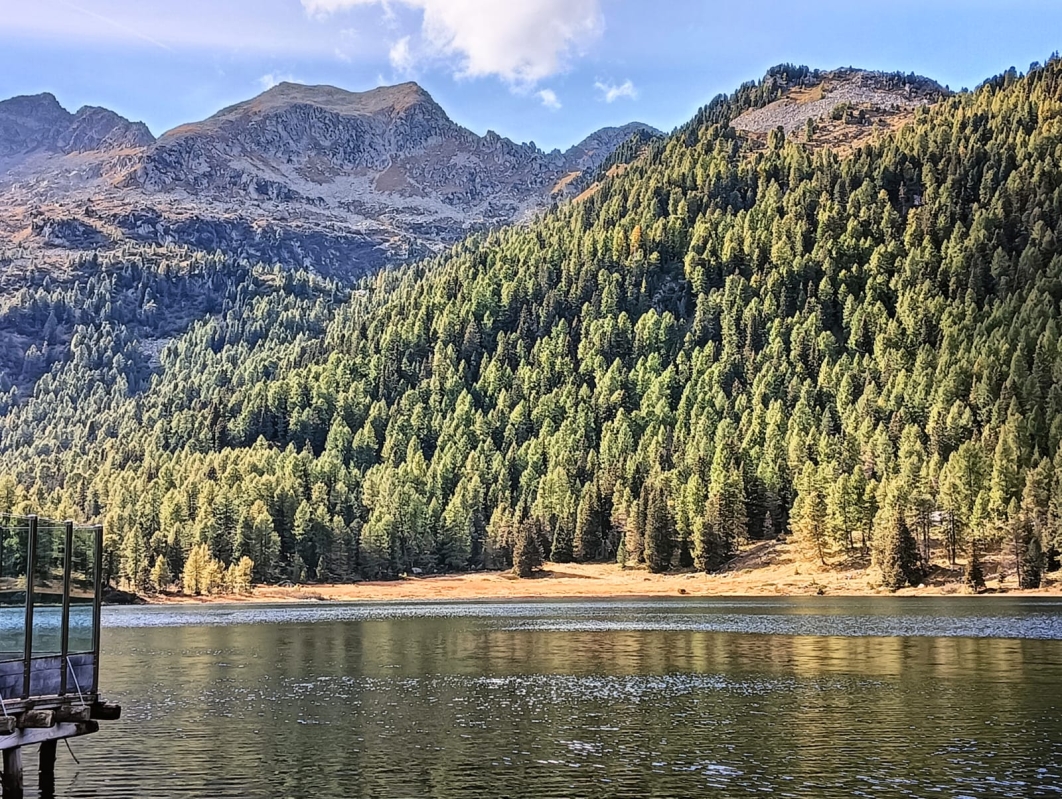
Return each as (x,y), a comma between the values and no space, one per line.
(816,697)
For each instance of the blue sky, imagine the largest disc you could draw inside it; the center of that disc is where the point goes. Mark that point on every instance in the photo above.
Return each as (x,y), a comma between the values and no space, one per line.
(550,71)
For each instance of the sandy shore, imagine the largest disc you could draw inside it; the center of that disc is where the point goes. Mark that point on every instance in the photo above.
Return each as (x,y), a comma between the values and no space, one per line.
(766,569)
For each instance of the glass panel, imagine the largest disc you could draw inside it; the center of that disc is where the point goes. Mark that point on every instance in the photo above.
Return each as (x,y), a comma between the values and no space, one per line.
(82,589)
(13,540)
(48,589)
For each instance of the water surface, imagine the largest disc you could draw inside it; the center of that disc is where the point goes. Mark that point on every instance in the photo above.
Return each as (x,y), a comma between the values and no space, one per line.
(813,697)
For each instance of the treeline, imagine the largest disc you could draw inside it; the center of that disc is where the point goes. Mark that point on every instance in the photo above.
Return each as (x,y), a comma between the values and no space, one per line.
(727,343)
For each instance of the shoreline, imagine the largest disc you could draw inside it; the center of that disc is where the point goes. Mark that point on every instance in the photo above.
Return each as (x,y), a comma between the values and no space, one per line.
(765,570)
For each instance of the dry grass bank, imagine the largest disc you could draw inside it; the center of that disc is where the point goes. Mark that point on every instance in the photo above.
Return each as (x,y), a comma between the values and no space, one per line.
(764,569)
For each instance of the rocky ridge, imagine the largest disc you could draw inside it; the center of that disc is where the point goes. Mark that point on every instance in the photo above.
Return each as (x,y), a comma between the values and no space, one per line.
(39,124)
(310,176)
(846,106)
(344,182)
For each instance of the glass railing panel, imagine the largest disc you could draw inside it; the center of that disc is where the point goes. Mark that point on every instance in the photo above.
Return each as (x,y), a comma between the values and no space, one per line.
(82,590)
(14,535)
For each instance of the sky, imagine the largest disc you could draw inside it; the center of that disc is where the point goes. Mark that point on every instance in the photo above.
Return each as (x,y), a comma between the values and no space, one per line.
(548,71)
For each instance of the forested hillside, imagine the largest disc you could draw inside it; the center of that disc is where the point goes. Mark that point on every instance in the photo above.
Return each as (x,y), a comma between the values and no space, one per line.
(732,340)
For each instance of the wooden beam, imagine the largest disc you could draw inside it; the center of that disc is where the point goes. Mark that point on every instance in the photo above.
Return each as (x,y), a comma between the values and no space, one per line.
(7,725)
(36,719)
(12,780)
(58,732)
(106,712)
(73,714)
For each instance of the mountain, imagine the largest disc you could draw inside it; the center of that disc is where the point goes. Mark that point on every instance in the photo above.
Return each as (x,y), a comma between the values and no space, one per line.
(734,338)
(39,125)
(311,176)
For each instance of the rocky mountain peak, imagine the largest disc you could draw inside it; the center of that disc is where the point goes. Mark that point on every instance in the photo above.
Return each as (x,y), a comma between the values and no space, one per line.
(31,122)
(295,99)
(314,175)
(846,107)
(592,151)
(38,122)
(95,128)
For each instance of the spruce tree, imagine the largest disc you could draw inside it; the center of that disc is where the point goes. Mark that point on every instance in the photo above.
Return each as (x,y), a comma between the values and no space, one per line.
(561,550)
(809,520)
(1032,561)
(635,544)
(588,532)
(973,574)
(896,554)
(527,555)
(160,577)
(135,563)
(659,532)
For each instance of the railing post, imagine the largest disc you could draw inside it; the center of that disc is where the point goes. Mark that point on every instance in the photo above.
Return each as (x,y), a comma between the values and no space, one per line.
(68,563)
(31,566)
(97,603)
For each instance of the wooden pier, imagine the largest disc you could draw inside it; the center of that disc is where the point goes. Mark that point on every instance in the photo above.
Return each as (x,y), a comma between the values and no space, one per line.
(51,589)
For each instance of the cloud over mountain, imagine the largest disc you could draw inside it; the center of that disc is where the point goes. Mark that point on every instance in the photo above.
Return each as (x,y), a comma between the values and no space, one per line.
(521,42)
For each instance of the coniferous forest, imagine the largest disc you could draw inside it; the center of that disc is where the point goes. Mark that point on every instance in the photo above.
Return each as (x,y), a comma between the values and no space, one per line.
(732,340)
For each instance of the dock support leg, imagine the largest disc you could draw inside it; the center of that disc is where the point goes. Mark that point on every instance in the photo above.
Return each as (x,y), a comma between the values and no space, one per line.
(46,779)
(13,773)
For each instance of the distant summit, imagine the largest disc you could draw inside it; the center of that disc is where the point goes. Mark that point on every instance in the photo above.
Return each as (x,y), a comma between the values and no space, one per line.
(383,99)
(345,182)
(845,107)
(38,123)
(311,176)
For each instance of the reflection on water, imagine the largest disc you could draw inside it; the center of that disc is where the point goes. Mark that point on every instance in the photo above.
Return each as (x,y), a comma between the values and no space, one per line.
(952,698)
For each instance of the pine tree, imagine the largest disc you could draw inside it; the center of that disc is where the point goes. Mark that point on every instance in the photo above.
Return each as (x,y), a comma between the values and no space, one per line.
(561,550)
(135,563)
(659,532)
(974,575)
(1030,573)
(635,538)
(527,555)
(160,577)
(896,554)
(962,483)
(810,520)
(588,533)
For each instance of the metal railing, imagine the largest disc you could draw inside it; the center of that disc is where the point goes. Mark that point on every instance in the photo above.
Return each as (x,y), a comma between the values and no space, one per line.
(53,552)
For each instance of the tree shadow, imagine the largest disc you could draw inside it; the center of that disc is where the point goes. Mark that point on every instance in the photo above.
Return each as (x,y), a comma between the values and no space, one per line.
(551,573)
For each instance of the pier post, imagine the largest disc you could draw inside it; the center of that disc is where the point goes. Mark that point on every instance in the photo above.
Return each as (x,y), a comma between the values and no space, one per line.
(46,769)
(13,773)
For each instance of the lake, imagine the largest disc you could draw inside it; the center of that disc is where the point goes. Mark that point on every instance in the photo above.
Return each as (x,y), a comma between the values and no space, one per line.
(812,697)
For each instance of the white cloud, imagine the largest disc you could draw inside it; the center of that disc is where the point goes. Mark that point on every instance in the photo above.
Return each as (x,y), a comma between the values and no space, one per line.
(271,79)
(400,55)
(611,92)
(262,28)
(520,41)
(549,99)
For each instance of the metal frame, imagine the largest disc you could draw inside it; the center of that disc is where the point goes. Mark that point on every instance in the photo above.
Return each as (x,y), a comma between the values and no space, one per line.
(97,604)
(68,564)
(31,567)
(66,666)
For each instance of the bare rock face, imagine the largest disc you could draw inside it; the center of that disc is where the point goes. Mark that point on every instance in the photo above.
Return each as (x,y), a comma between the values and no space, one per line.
(30,123)
(93,128)
(68,234)
(391,148)
(594,150)
(38,124)
(310,176)
(844,105)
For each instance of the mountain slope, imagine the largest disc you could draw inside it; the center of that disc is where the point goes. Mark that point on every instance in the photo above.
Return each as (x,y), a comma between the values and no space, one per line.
(307,176)
(38,124)
(734,339)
